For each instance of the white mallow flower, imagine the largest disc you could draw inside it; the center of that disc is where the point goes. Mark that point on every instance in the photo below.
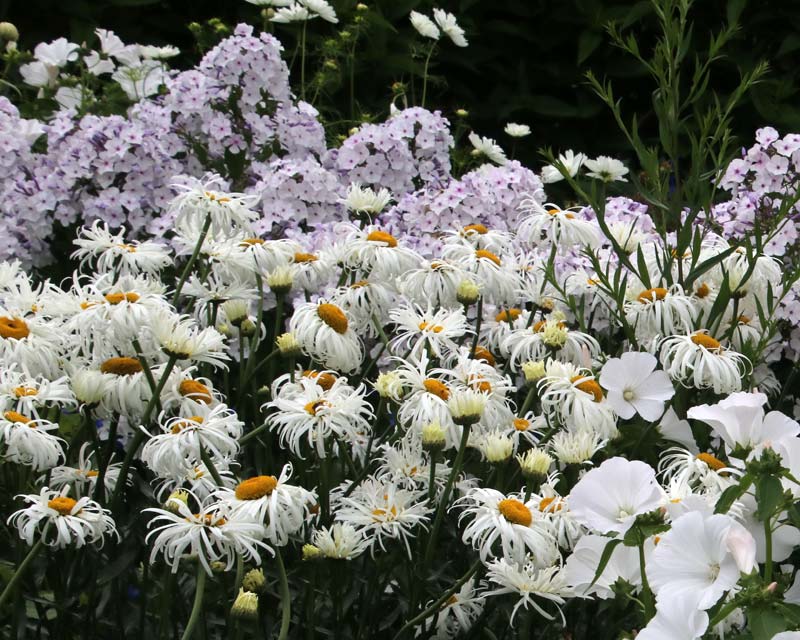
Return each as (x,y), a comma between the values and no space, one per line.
(60,521)
(634,386)
(676,619)
(50,57)
(582,564)
(702,556)
(488,148)
(142,79)
(606,169)
(740,421)
(572,162)
(424,25)
(517,130)
(608,498)
(447,23)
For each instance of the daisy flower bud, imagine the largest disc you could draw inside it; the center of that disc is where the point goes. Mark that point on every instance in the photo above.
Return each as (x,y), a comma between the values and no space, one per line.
(389,385)
(340,542)
(236,311)
(89,386)
(433,437)
(535,463)
(533,371)
(247,328)
(217,566)
(575,448)
(466,406)
(468,292)
(254,580)
(361,7)
(245,607)
(311,552)
(287,344)
(497,447)
(554,334)
(462,113)
(280,280)
(176,498)
(9,32)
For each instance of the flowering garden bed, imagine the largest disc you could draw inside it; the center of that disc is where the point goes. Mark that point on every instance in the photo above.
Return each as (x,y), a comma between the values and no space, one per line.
(264,378)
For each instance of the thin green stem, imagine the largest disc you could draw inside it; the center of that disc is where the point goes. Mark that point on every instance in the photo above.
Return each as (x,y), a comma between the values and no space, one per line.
(189,265)
(303,61)
(425,74)
(647,594)
(9,589)
(768,550)
(197,607)
(286,600)
(210,466)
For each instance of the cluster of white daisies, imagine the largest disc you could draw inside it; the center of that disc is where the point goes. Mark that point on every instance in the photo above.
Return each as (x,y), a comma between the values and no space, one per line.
(361,400)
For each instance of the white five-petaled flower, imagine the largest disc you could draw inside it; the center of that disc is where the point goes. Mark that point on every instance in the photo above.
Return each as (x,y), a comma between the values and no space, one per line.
(488,148)
(516,130)
(571,161)
(634,386)
(606,169)
(447,23)
(424,25)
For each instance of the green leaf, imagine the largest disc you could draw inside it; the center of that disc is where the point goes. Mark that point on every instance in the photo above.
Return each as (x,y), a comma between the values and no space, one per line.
(769,495)
(765,622)
(734,10)
(588,41)
(732,494)
(605,557)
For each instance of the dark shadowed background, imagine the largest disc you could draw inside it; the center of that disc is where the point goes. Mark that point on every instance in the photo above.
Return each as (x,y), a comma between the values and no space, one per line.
(525,61)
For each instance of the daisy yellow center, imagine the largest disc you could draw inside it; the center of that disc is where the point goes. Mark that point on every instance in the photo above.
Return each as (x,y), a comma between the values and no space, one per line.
(249,242)
(509,315)
(436,265)
(704,340)
(744,319)
(360,284)
(62,504)
(384,514)
(589,386)
(451,600)
(123,366)
(651,295)
(92,473)
(482,353)
(715,463)
(476,228)
(702,291)
(13,416)
(305,257)
(547,504)
(435,328)
(25,392)
(211,520)
(521,424)
(216,198)
(382,236)
(15,328)
(592,282)
(515,512)
(324,379)
(130,248)
(540,326)
(311,408)
(333,316)
(481,385)
(255,488)
(196,390)
(191,421)
(488,255)
(116,298)
(555,212)
(437,388)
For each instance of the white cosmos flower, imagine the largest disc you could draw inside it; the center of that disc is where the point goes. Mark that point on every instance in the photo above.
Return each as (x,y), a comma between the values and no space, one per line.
(606,169)
(365,199)
(211,535)
(152,52)
(517,130)
(282,507)
(504,526)
(528,582)
(383,511)
(321,8)
(424,25)
(229,212)
(572,162)
(698,360)
(677,618)
(292,13)
(447,23)
(608,498)
(340,541)
(324,333)
(488,148)
(701,556)
(740,421)
(60,521)
(634,386)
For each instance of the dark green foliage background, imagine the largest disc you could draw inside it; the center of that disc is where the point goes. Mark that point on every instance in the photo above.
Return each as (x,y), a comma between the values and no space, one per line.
(525,61)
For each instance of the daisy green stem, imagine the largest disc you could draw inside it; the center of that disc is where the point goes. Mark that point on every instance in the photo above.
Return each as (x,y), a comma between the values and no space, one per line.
(189,265)
(768,550)
(210,466)
(286,601)
(252,434)
(197,607)
(140,434)
(436,606)
(145,367)
(9,588)
(104,458)
(478,321)
(647,594)
(431,484)
(437,523)
(528,400)
(324,489)
(425,74)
